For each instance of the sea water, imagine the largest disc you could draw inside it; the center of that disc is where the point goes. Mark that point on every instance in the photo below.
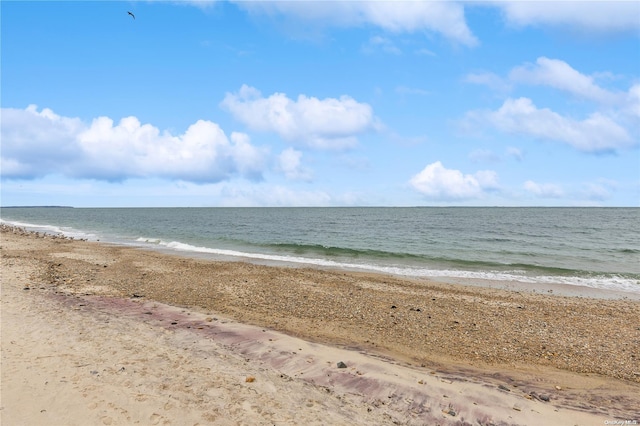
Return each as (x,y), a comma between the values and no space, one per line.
(593,247)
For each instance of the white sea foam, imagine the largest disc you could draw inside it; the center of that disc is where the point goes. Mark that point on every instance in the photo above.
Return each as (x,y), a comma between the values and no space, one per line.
(50,229)
(601,281)
(598,282)
(33,226)
(149,240)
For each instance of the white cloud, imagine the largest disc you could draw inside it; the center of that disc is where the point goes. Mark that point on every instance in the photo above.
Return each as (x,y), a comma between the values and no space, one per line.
(445,18)
(611,127)
(553,73)
(323,124)
(289,162)
(560,75)
(39,143)
(586,16)
(249,160)
(633,102)
(544,190)
(596,133)
(439,183)
(34,141)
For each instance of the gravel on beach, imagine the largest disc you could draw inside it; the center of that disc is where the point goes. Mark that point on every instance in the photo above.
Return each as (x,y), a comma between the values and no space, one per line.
(417,321)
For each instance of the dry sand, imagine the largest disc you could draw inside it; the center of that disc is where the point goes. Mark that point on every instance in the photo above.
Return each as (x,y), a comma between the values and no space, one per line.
(94,334)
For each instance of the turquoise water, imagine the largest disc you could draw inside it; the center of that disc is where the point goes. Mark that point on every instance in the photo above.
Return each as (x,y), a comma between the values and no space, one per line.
(594,247)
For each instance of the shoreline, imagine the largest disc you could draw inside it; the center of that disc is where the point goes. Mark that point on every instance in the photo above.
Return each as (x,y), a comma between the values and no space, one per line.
(532,344)
(532,284)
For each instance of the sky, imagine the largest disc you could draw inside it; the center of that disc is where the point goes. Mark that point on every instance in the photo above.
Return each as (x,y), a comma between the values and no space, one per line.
(320,103)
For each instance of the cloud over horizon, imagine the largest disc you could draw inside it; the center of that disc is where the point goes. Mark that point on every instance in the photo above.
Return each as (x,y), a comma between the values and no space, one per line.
(438,183)
(38,143)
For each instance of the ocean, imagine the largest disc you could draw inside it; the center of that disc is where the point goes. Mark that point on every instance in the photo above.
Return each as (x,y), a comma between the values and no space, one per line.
(592,247)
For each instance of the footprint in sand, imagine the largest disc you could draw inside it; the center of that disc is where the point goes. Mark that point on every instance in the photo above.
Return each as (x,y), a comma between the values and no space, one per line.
(155,419)
(106,420)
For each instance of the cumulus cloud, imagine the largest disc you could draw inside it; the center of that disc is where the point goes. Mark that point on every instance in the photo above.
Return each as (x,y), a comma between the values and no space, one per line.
(37,143)
(597,133)
(587,16)
(328,123)
(249,159)
(289,162)
(439,183)
(544,190)
(444,18)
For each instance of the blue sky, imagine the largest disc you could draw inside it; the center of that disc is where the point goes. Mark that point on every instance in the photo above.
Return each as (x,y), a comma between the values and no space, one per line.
(324,103)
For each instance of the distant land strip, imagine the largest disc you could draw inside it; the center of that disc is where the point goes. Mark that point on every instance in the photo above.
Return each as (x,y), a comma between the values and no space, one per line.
(36,207)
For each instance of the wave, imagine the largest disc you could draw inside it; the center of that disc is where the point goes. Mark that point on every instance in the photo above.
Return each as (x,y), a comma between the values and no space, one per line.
(628,251)
(394,263)
(50,229)
(33,226)
(332,251)
(516,272)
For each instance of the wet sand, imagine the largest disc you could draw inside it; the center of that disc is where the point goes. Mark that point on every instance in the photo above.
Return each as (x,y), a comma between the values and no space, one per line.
(97,334)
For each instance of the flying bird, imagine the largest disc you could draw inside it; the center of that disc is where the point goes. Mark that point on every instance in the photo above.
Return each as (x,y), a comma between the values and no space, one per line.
(132,15)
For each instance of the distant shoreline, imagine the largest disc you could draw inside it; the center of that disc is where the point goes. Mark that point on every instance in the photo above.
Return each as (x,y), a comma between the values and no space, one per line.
(37,207)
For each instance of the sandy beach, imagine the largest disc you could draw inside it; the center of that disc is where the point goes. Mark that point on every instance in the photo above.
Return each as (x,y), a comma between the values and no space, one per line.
(96,334)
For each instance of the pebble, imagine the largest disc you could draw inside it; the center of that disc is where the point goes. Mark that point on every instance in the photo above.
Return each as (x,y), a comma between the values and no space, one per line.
(450,412)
